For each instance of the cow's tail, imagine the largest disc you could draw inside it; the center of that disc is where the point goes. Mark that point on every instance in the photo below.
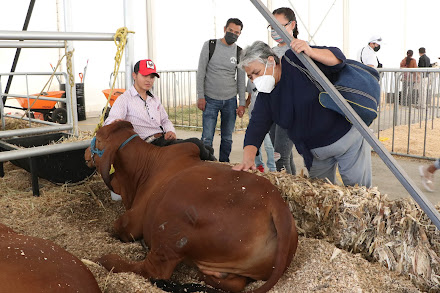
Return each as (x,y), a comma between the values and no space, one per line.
(286,234)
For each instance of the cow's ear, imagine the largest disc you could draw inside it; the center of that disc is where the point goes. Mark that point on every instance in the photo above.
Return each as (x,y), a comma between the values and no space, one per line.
(106,165)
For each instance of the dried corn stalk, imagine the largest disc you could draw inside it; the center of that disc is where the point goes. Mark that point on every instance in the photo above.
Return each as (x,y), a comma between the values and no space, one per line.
(396,233)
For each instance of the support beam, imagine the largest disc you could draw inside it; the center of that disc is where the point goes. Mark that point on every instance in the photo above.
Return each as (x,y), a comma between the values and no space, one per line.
(31,44)
(352,116)
(346,27)
(59,36)
(43,150)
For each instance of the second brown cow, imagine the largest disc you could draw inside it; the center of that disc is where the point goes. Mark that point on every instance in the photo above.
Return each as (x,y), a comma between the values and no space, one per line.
(233,226)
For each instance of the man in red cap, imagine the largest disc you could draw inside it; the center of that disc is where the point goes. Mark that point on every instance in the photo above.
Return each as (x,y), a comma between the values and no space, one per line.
(144,110)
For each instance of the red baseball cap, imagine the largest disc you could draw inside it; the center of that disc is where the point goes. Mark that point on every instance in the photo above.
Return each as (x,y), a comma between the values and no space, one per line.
(146,67)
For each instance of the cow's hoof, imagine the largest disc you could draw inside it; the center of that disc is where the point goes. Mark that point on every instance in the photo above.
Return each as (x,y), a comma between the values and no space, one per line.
(109,261)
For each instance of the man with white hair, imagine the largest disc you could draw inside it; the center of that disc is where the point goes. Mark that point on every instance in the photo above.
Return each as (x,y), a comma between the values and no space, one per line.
(367,54)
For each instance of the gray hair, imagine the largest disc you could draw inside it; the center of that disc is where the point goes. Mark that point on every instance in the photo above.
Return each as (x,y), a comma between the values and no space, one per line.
(258,51)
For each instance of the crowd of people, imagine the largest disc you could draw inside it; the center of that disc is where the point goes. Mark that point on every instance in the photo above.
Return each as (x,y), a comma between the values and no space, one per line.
(283,106)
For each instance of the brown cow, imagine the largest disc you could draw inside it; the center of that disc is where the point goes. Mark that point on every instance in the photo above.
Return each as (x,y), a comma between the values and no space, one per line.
(233,226)
(30,264)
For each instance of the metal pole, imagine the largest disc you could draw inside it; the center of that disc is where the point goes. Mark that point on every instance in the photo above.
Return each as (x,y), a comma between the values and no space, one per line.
(391,163)
(36,130)
(18,51)
(346,27)
(70,93)
(43,150)
(129,46)
(55,36)
(150,30)
(31,44)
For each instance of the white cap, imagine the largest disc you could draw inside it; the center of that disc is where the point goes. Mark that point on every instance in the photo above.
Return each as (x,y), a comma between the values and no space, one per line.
(375,39)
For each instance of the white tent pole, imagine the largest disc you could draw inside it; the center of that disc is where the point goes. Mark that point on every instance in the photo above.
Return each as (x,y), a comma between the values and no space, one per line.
(150,31)
(299,18)
(129,46)
(69,47)
(314,34)
(346,27)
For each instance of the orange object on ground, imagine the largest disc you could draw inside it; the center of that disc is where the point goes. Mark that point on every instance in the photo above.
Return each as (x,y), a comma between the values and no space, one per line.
(116,93)
(38,115)
(41,104)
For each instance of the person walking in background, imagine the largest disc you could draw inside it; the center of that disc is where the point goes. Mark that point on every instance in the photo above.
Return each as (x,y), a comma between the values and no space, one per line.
(427,174)
(250,102)
(409,80)
(280,139)
(218,82)
(424,61)
(367,54)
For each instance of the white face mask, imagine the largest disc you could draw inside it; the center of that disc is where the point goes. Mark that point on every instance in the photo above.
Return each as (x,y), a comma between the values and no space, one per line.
(265,83)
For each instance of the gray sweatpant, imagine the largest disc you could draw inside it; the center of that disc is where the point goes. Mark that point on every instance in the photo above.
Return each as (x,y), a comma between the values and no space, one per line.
(351,153)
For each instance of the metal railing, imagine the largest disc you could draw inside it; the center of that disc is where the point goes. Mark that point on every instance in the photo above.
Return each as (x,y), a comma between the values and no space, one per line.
(178,94)
(70,103)
(410,99)
(410,102)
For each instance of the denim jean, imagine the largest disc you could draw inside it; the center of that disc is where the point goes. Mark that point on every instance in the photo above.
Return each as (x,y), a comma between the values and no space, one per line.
(227,109)
(269,153)
(283,145)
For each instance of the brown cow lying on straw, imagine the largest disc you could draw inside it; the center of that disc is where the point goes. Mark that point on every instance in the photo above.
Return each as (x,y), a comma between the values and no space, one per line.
(30,264)
(234,226)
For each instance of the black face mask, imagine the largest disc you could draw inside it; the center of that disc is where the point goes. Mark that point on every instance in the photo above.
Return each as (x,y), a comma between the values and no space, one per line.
(377,48)
(230,38)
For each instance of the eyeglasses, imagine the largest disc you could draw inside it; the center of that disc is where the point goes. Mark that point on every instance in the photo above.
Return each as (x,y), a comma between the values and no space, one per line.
(270,27)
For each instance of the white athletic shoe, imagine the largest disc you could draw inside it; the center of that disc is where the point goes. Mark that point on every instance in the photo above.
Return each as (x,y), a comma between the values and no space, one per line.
(115,196)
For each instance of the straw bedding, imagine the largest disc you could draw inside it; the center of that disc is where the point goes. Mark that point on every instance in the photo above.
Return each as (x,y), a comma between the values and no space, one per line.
(79,218)
(352,239)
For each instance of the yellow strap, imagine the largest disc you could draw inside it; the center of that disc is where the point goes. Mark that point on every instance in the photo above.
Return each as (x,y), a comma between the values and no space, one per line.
(120,39)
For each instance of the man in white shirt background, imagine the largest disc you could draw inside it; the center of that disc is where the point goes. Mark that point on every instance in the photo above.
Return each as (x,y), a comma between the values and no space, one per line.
(367,55)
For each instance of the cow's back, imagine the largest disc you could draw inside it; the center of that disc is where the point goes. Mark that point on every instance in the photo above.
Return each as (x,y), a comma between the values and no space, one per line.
(29,264)
(211,201)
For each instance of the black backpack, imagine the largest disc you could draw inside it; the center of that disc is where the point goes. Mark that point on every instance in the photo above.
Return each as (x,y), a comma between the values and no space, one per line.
(212,44)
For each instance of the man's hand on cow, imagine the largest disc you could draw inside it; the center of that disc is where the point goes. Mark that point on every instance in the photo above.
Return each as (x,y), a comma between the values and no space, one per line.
(170,135)
(201,104)
(240,111)
(248,162)
(245,166)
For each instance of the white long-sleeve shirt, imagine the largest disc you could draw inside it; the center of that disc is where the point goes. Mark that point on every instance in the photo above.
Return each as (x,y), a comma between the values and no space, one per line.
(148,117)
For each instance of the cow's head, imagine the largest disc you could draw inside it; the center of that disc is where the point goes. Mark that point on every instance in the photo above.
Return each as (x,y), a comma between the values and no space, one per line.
(104,145)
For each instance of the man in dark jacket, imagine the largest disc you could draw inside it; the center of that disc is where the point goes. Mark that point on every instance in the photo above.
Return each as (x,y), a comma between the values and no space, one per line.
(424,61)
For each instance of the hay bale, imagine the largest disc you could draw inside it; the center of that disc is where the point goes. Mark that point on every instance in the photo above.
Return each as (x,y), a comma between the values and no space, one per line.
(396,233)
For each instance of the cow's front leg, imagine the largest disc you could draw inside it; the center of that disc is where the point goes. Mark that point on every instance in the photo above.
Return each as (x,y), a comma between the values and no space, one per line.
(159,263)
(129,226)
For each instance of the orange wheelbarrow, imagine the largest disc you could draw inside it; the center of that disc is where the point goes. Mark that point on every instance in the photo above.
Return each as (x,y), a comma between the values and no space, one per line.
(45,108)
(115,94)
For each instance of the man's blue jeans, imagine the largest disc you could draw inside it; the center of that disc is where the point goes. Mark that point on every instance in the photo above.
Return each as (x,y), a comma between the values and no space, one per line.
(269,152)
(227,109)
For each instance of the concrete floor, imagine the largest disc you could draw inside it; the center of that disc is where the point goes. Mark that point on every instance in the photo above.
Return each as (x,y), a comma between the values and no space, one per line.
(382,176)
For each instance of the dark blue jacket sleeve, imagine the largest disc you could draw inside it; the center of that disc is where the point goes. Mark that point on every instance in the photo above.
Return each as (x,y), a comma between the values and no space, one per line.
(260,122)
(329,70)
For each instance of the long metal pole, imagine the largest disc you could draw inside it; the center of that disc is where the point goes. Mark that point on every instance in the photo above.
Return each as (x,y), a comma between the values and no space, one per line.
(129,46)
(31,44)
(43,150)
(60,36)
(391,163)
(70,93)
